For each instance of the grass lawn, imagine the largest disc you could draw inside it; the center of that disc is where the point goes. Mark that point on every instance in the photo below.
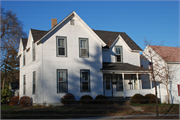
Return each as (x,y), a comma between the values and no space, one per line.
(162,108)
(78,111)
(73,111)
(9,107)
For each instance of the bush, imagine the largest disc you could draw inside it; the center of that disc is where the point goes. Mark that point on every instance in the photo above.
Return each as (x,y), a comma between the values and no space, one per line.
(25,101)
(138,98)
(14,101)
(101,99)
(5,95)
(68,99)
(86,99)
(151,98)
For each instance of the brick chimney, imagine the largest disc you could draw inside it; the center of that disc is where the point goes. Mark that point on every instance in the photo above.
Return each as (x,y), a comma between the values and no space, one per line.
(53,22)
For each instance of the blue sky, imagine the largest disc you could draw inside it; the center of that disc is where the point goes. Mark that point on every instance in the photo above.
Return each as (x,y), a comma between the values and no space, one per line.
(155,21)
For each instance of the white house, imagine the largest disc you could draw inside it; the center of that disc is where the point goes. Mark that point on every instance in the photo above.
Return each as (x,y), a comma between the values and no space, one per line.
(166,63)
(73,58)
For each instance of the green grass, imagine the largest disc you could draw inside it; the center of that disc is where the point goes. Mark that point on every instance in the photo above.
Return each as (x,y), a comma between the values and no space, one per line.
(63,112)
(9,107)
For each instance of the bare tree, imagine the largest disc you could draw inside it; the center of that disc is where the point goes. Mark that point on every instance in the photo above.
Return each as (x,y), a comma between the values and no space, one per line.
(160,71)
(11,32)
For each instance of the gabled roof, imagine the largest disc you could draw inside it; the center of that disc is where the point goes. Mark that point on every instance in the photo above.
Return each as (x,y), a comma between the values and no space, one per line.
(104,35)
(122,67)
(24,41)
(169,54)
(109,37)
(37,34)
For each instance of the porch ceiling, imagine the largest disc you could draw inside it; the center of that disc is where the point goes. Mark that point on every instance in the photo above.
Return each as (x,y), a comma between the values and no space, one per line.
(122,67)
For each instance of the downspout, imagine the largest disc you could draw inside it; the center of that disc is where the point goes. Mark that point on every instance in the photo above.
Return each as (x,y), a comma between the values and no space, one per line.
(42,88)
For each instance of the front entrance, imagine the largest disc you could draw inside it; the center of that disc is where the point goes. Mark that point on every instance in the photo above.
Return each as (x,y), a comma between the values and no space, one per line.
(108,86)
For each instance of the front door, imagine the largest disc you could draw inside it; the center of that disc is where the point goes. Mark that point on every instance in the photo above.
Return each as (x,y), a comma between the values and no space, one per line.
(108,86)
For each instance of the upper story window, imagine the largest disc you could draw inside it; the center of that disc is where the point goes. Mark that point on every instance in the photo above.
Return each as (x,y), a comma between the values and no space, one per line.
(34,83)
(61,46)
(118,51)
(85,80)
(24,58)
(62,81)
(83,47)
(33,51)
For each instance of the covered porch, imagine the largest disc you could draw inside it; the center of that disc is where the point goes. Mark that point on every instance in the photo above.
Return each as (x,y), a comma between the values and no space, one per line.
(125,80)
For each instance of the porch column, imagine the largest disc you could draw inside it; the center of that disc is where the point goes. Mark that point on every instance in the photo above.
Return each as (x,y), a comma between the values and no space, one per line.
(123,84)
(137,77)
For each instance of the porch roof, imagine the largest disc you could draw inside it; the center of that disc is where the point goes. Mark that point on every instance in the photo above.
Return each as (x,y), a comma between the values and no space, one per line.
(122,67)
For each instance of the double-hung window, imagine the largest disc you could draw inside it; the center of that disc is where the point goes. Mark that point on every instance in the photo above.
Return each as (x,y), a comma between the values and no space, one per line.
(24,58)
(118,51)
(119,85)
(24,84)
(62,81)
(61,46)
(34,83)
(33,51)
(83,47)
(85,80)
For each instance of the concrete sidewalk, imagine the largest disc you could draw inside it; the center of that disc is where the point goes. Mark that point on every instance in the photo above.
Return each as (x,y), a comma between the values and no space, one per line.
(125,116)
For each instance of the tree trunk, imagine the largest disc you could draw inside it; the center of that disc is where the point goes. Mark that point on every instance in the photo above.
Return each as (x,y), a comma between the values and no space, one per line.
(3,84)
(167,94)
(157,113)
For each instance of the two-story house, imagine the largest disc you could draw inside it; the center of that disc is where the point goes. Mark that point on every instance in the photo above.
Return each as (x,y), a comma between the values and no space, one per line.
(73,58)
(166,65)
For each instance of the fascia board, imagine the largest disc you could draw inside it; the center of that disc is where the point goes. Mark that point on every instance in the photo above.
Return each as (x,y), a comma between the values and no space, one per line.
(20,48)
(157,54)
(29,41)
(100,40)
(118,38)
(56,26)
(130,72)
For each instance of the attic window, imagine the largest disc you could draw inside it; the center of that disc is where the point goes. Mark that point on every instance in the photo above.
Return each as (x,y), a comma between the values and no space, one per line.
(72,22)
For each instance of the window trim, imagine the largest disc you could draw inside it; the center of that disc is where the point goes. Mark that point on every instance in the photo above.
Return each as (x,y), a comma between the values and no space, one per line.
(120,54)
(33,51)
(24,58)
(65,38)
(81,38)
(89,86)
(34,82)
(66,80)
(24,84)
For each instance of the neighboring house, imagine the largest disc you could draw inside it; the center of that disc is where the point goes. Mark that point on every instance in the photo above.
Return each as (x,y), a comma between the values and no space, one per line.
(166,61)
(73,58)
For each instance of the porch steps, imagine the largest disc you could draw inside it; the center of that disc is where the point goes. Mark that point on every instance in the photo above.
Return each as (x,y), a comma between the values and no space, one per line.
(120,100)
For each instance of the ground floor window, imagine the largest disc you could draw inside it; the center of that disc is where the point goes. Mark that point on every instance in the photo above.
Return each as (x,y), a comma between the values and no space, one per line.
(24,84)
(119,83)
(34,83)
(85,80)
(62,81)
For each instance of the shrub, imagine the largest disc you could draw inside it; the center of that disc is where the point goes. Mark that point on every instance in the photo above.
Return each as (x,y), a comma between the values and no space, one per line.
(14,101)
(5,95)
(68,99)
(138,98)
(25,101)
(101,99)
(151,98)
(86,99)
